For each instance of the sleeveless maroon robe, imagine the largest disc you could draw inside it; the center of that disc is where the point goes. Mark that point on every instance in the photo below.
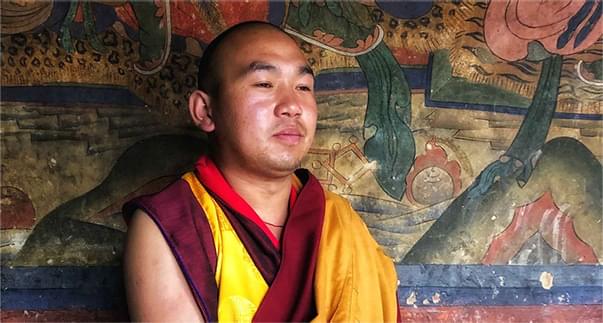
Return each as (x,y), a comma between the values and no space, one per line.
(288,270)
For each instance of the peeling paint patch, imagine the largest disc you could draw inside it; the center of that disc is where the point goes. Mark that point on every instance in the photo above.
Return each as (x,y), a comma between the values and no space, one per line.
(411,299)
(563,299)
(495,292)
(436,298)
(546,280)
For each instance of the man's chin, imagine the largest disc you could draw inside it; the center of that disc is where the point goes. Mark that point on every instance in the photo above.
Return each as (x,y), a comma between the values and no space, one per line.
(288,165)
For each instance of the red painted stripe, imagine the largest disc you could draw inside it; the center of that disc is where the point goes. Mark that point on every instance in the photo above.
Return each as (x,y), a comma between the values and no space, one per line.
(187,21)
(234,12)
(65,316)
(540,216)
(544,313)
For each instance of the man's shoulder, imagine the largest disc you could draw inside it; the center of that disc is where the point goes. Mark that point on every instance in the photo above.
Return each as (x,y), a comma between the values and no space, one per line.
(339,207)
(334,203)
(169,191)
(340,216)
(168,194)
(336,199)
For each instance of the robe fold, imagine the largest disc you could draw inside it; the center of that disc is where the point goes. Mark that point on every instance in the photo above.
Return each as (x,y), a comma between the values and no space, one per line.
(326,267)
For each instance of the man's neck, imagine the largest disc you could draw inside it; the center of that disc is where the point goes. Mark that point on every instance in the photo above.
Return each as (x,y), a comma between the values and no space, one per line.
(268,196)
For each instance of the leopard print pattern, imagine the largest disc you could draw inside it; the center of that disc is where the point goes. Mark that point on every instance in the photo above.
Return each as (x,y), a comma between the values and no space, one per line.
(37,59)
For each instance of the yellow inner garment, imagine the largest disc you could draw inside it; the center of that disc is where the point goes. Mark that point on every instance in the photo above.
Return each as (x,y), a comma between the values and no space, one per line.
(354,280)
(238,299)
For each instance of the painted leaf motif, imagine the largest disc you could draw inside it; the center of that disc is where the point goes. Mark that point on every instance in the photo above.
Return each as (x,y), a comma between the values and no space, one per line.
(335,8)
(357,13)
(304,12)
(388,114)
(336,18)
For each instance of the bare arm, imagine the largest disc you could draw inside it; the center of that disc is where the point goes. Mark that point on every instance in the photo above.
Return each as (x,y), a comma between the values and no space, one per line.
(155,286)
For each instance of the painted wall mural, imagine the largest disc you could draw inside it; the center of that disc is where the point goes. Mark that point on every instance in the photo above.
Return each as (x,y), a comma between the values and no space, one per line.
(464,132)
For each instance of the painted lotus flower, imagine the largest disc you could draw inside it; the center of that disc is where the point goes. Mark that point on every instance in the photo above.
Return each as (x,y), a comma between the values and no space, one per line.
(561,26)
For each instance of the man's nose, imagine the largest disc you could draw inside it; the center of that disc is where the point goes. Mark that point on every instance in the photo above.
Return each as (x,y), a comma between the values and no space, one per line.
(289,105)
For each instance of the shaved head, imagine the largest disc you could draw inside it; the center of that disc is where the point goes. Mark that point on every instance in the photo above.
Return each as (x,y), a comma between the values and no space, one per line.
(208,77)
(256,100)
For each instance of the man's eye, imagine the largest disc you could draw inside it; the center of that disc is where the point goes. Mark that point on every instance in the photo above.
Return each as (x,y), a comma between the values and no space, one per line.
(264,84)
(304,88)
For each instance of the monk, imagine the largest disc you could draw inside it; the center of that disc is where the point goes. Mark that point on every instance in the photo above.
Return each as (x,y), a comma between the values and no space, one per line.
(247,236)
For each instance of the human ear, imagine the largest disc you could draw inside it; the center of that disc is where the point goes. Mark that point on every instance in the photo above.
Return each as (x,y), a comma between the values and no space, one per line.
(200,109)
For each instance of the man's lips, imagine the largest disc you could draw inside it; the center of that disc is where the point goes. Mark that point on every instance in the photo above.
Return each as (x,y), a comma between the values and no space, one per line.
(290,135)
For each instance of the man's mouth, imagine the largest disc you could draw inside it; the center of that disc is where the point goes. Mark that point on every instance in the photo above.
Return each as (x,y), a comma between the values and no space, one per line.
(290,135)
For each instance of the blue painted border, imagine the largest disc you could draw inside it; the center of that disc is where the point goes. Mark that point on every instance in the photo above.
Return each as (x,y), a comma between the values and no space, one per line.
(450,296)
(499,285)
(417,78)
(276,12)
(56,95)
(61,299)
(53,288)
(355,79)
(510,276)
(489,107)
(101,287)
(72,94)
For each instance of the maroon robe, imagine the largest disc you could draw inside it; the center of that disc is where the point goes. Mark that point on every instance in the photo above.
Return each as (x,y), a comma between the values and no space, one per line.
(288,268)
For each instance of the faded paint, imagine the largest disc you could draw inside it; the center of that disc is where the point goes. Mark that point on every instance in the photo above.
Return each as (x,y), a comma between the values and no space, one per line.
(435,298)
(411,299)
(546,280)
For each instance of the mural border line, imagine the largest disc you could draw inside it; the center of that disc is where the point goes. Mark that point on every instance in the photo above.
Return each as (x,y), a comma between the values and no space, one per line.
(489,107)
(56,95)
(101,287)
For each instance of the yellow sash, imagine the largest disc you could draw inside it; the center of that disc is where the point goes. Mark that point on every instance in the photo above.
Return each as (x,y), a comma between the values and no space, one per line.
(239,298)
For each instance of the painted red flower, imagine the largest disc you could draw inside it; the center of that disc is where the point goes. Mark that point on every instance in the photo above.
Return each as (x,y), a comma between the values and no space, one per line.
(562,26)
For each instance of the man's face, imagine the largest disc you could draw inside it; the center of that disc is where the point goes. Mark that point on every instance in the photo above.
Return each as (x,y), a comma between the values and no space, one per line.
(265,112)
